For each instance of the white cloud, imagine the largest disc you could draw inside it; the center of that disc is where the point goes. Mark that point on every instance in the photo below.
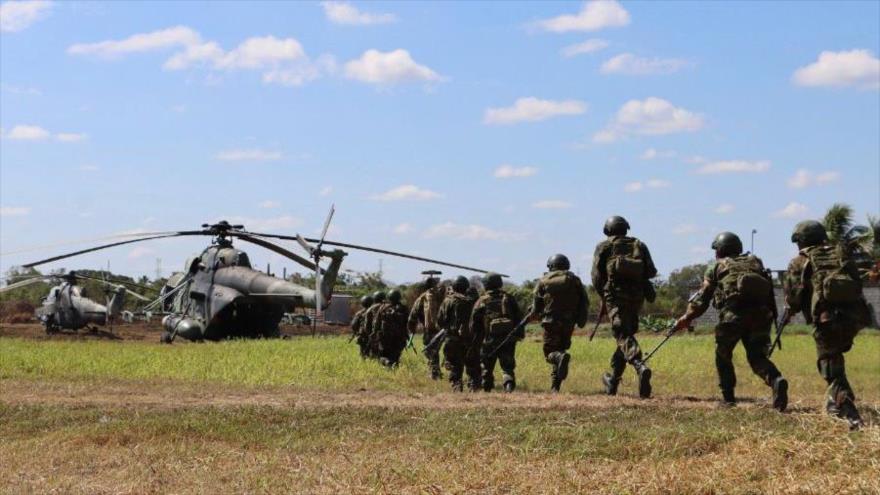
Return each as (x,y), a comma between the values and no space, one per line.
(593,16)
(403,228)
(348,14)
(724,208)
(27,133)
(20,90)
(651,154)
(89,168)
(589,46)
(551,204)
(385,68)
(269,204)
(509,171)
(14,211)
(792,210)
(629,64)
(70,137)
(531,109)
(250,155)
(652,116)
(406,192)
(326,191)
(141,42)
(468,232)
(805,178)
(685,229)
(140,252)
(18,16)
(858,68)
(734,166)
(261,52)
(648,184)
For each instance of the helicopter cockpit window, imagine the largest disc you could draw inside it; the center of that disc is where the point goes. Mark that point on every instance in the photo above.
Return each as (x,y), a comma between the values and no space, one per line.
(241,259)
(78,291)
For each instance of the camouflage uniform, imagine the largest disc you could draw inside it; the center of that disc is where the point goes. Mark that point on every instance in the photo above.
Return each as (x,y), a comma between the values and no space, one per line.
(561,301)
(740,320)
(835,327)
(424,313)
(367,337)
(460,351)
(357,328)
(623,301)
(495,316)
(391,333)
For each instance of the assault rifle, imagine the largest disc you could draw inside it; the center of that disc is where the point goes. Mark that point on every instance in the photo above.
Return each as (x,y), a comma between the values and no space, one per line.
(519,328)
(780,326)
(603,309)
(409,343)
(437,340)
(669,333)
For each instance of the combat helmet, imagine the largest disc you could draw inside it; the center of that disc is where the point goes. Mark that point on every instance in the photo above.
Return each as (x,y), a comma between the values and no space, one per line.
(378,297)
(492,281)
(727,244)
(809,233)
(366,301)
(460,284)
(616,225)
(558,262)
(395,296)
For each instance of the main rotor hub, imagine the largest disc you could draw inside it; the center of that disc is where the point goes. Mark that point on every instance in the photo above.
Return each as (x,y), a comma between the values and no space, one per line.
(221,230)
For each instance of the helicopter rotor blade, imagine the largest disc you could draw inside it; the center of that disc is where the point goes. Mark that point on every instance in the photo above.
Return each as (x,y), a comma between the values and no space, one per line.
(114,281)
(114,244)
(43,247)
(23,283)
(326,226)
(379,251)
(276,249)
(319,295)
(136,295)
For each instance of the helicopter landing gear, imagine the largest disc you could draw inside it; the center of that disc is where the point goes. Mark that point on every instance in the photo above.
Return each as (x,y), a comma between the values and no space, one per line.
(166,338)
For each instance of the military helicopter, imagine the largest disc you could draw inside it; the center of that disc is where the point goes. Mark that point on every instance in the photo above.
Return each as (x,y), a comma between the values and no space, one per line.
(219,295)
(67,307)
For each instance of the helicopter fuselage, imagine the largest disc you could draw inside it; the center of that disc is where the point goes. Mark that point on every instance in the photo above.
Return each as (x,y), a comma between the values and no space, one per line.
(66,307)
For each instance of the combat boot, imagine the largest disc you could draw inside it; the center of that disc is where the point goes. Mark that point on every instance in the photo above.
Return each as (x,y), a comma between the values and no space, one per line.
(436,374)
(728,399)
(488,384)
(457,386)
(780,394)
(644,379)
(562,367)
(509,384)
(610,383)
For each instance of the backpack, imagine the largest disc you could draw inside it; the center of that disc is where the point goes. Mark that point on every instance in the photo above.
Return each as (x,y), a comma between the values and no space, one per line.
(498,322)
(391,320)
(742,280)
(626,264)
(433,299)
(831,282)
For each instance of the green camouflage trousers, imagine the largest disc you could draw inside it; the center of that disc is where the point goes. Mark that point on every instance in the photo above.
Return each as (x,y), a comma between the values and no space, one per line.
(504,356)
(458,357)
(753,330)
(624,325)
(432,355)
(834,338)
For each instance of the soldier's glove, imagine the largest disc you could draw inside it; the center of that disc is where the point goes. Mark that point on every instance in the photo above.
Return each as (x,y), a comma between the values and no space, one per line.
(681,323)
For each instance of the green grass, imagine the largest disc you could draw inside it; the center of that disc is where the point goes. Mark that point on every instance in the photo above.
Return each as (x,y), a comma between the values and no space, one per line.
(685,366)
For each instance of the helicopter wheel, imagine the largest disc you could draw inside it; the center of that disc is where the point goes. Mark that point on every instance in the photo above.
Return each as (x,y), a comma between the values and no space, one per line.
(166,338)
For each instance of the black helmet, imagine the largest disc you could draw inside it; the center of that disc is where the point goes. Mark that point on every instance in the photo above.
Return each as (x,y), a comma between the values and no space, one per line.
(394,296)
(461,284)
(431,282)
(492,281)
(616,226)
(366,301)
(558,262)
(809,233)
(378,297)
(727,244)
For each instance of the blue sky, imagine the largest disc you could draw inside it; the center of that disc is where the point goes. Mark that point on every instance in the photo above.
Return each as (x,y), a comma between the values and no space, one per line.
(491,134)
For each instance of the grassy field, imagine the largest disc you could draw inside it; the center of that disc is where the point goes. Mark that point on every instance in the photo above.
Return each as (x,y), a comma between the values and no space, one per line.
(308,415)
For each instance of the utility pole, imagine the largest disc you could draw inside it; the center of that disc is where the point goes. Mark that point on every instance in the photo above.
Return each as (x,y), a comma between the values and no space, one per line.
(754,231)
(158,268)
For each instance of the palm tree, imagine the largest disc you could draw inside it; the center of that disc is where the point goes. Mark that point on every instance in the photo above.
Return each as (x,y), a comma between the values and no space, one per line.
(862,242)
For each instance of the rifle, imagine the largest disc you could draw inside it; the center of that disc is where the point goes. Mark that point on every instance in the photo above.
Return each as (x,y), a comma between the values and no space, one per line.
(602,310)
(409,343)
(437,339)
(780,326)
(519,328)
(669,333)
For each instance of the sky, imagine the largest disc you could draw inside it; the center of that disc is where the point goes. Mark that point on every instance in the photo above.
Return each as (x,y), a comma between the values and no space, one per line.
(491,134)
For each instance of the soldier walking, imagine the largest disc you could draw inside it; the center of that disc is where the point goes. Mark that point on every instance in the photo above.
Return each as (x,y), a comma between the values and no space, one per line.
(622,273)
(741,289)
(458,356)
(367,337)
(495,330)
(358,324)
(390,329)
(823,283)
(561,302)
(424,313)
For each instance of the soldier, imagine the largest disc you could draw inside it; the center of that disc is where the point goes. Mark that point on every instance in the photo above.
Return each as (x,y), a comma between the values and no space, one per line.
(367,336)
(824,284)
(357,323)
(494,325)
(561,301)
(741,289)
(424,313)
(390,329)
(454,317)
(622,273)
